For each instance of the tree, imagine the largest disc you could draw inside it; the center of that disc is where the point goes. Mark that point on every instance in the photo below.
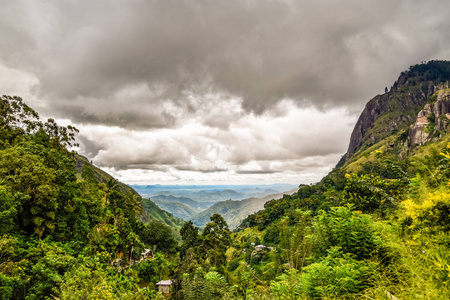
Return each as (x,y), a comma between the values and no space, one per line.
(16,119)
(189,235)
(216,240)
(33,184)
(160,235)
(369,193)
(8,211)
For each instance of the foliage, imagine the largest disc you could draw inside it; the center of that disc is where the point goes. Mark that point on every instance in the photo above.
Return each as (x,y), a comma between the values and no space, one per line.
(341,227)
(257,255)
(336,275)
(294,240)
(153,270)
(287,286)
(190,237)
(211,285)
(159,235)
(94,281)
(215,240)
(432,214)
(369,193)
(62,235)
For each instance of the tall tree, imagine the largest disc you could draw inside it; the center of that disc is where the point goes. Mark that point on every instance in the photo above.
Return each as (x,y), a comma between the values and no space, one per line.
(216,240)
(189,235)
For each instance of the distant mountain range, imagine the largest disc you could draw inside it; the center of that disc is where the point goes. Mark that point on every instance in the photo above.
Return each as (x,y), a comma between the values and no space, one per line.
(198,203)
(235,211)
(211,193)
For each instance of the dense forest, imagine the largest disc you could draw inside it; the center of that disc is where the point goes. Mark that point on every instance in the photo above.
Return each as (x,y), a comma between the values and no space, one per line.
(376,227)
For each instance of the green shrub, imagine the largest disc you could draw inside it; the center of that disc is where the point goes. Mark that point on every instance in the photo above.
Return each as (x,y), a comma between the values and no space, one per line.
(152,270)
(336,275)
(256,256)
(287,286)
(6,287)
(341,227)
(369,193)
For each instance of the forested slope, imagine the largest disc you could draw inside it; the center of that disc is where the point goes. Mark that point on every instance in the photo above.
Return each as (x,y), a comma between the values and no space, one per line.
(66,234)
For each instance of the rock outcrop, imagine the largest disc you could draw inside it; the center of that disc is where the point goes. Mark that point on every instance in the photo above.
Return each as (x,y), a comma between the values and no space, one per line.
(431,120)
(397,109)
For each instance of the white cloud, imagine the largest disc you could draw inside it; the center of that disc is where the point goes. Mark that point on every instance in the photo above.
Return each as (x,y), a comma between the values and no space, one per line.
(272,146)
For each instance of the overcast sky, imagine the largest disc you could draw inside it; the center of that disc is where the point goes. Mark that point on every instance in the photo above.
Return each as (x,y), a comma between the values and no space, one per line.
(213,91)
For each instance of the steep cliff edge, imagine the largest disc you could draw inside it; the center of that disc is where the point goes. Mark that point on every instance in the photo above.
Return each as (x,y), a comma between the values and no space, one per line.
(397,109)
(431,120)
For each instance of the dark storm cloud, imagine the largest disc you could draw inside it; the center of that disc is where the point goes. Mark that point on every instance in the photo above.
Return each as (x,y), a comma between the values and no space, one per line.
(119,62)
(88,147)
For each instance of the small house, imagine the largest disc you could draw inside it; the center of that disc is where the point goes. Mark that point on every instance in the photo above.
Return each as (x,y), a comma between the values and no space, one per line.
(164,286)
(260,247)
(145,254)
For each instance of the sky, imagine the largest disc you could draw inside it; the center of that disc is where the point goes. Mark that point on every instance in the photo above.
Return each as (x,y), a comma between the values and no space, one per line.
(213,91)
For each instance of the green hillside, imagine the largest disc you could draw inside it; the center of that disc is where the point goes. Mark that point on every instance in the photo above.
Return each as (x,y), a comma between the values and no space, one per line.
(153,212)
(234,212)
(180,210)
(101,175)
(67,229)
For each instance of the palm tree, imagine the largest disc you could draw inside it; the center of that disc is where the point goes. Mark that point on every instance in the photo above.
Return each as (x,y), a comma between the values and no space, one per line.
(134,202)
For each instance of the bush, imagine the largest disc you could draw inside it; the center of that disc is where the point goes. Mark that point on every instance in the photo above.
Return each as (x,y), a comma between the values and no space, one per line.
(433,213)
(233,264)
(272,235)
(256,256)
(6,287)
(369,193)
(351,231)
(152,270)
(336,275)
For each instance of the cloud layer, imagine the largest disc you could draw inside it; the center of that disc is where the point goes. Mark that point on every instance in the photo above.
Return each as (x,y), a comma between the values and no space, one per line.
(211,85)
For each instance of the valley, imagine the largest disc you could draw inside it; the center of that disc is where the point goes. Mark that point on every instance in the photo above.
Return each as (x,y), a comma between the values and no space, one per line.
(198,203)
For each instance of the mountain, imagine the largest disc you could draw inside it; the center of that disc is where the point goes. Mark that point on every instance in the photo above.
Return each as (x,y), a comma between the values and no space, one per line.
(180,210)
(235,211)
(211,193)
(406,127)
(186,201)
(196,205)
(153,213)
(393,112)
(101,175)
(392,185)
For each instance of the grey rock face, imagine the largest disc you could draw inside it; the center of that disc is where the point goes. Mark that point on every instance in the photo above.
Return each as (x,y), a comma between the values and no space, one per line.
(397,109)
(434,117)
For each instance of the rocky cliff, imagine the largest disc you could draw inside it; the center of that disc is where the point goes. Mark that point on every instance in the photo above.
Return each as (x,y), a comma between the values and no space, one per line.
(431,120)
(397,109)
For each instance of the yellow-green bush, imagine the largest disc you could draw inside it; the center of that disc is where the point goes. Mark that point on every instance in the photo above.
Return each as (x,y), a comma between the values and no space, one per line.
(432,214)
